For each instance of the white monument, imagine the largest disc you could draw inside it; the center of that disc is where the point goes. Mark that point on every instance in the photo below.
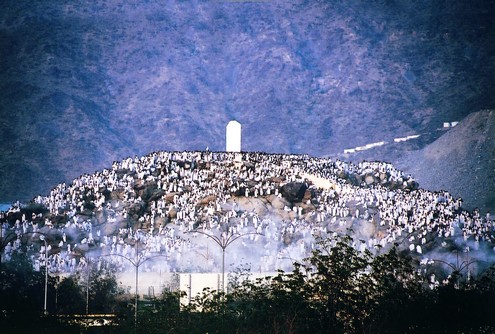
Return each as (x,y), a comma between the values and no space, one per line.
(233,137)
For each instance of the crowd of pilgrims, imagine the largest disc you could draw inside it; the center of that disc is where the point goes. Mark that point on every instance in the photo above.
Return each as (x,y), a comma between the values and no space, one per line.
(152,206)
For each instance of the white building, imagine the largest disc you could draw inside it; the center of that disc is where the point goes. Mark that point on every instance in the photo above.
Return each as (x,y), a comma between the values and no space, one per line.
(233,137)
(193,284)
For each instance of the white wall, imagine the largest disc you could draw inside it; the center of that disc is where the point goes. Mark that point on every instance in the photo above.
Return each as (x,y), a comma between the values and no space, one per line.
(194,284)
(156,280)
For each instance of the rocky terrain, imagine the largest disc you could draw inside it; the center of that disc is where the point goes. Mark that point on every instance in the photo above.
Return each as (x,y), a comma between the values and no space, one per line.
(84,85)
(164,203)
(461,160)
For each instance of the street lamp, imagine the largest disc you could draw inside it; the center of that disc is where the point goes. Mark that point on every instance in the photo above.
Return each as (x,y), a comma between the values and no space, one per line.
(88,267)
(224,241)
(458,267)
(137,261)
(43,238)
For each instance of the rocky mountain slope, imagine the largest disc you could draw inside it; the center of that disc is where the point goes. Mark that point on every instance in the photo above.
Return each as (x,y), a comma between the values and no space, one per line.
(462,161)
(83,85)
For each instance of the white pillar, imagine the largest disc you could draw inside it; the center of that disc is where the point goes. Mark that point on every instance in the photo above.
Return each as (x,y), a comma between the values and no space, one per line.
(233,137)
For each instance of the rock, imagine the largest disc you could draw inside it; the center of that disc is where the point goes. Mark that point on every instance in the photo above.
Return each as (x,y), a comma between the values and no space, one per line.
(277,202)
(206,200)
(170,197)
(157,194)
(294,191)
(139,185)
(308,195)
(172,213)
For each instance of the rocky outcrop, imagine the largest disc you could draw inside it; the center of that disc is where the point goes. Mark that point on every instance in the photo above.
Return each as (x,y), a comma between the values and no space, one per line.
(462,161)
(294,191)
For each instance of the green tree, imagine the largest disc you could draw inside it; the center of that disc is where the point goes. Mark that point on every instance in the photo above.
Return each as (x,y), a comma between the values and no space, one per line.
(160,315)
(21,288)
(340,286)
(104,290)
(22,298)
(70,296)
(397,288)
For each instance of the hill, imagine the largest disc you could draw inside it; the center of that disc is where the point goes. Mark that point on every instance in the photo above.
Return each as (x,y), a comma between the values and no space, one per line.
(164,204)
(84,85)
(462,161)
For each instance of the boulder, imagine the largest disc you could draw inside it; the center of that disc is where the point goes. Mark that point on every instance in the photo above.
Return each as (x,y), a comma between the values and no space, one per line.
(308,195)
(172,213)
(294,191)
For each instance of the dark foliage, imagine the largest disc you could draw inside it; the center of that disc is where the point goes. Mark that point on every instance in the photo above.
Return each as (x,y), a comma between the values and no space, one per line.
(70,297)
(342,290)
(22,297)
(337,290)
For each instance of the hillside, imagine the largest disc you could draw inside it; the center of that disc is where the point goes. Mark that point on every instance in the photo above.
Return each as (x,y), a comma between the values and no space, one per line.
(84,85)
(164,203)
(462,161)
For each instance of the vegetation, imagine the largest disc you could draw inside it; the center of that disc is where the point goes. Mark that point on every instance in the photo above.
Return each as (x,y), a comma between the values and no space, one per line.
(338,289)
(22,297)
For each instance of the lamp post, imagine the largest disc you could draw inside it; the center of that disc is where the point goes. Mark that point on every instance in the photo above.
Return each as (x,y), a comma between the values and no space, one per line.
(137,261)
(459,266)
(224,240)
(88,283)
(43,238)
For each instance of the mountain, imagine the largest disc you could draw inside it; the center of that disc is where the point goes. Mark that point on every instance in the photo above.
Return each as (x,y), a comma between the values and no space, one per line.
(84,85)
(462,161)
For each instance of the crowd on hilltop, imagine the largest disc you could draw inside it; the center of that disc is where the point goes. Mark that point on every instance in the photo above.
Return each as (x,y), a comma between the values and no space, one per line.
(152,205)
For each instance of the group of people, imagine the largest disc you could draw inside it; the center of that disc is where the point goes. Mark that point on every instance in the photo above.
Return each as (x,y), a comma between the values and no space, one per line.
(175,208)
